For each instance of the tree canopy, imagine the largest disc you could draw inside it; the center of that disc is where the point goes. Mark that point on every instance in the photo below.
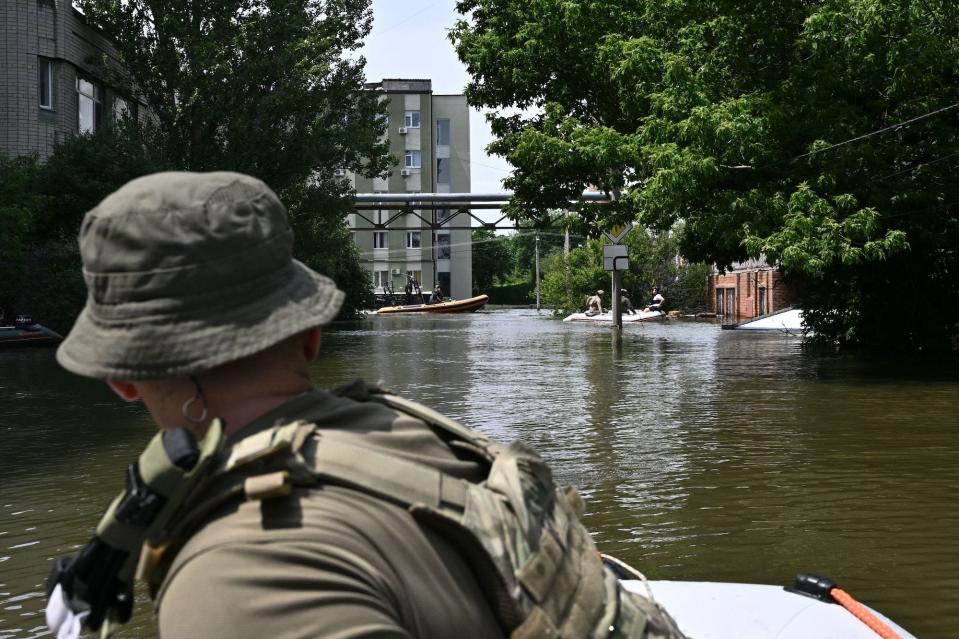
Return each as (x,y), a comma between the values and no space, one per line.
(265,87)
(821,135)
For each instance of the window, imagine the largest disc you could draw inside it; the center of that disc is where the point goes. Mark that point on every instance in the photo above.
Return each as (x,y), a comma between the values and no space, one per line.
(413,239)
(89,98)
(412,119)
(413,159)
(417,277)
(442,246)
(122,109)
(381,278)
(46,83)
(443,171)
(381,239)
(443,132)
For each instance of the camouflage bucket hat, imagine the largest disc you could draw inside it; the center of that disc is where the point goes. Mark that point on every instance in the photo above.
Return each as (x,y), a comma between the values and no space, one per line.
(187,271)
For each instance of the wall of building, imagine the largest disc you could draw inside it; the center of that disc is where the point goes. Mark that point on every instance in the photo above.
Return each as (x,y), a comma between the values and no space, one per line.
(454,273)
(32,31)
(752,292)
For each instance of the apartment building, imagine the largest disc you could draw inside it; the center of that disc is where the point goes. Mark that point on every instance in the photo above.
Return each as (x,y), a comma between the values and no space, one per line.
(429,136)
(49,60)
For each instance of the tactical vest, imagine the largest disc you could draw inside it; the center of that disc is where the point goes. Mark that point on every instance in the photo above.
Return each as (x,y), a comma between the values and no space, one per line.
(519,533)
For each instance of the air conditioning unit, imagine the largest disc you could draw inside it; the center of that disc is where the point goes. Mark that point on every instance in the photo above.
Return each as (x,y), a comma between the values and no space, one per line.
(395,271)
(406,172)
(403,130)
(339,172)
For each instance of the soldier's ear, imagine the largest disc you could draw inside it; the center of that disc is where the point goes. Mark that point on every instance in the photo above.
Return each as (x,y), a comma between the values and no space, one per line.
(125,390)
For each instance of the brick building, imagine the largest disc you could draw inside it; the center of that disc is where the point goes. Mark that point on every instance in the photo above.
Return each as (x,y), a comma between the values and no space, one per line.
(749,289)
(49,59)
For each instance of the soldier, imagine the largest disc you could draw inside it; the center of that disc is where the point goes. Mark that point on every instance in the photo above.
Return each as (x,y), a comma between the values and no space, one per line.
(266,507)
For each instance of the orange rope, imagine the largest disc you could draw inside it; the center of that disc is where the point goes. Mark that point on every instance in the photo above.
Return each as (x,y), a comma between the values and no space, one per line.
(845,599)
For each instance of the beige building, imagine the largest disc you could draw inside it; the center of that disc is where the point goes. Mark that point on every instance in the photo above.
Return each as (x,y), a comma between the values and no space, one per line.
(49,58)
(429,136)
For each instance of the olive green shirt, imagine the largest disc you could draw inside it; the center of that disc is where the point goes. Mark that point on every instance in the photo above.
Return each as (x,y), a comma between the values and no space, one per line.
(328,562)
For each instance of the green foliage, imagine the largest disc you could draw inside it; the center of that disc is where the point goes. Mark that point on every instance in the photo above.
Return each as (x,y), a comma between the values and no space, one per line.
(265,87)
(518,294)
(751,124)
(43,207)
(492,259)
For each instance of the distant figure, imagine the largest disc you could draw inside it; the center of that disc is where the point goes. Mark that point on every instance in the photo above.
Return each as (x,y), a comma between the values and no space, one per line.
(657,303)
(625,304)
(437,295)
(594,303)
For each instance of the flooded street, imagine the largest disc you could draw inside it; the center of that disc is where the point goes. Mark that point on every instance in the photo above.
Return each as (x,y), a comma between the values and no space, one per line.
(703,454)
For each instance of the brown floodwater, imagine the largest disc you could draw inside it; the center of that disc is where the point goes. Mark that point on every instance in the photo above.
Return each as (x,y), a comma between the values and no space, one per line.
(703,454)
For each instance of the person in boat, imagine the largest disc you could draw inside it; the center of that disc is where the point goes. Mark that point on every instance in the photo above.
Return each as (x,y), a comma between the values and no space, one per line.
(657,303)
(594,303)
(266,507)
(625,303)
(437,295)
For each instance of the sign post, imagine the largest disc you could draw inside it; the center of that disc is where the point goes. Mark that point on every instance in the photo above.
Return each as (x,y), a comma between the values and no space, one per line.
(616,260)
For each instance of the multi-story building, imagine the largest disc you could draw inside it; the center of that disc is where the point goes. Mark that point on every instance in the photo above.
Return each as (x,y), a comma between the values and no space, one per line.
(429,136)
(49,61)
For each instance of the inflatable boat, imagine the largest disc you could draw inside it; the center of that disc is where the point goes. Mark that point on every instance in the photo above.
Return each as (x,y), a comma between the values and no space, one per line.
(707,610)
(25,332)
(467,305)
(607,317)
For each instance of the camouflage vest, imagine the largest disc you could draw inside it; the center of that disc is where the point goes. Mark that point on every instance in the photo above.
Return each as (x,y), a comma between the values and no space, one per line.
(520,534)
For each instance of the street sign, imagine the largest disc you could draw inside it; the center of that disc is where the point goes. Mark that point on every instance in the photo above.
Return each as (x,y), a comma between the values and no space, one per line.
(615,257)
(617,233)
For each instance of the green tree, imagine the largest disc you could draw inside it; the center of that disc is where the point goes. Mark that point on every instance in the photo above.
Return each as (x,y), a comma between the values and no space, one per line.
(492,259)
(272,88)
(265,87)
(43,204)
(822,135)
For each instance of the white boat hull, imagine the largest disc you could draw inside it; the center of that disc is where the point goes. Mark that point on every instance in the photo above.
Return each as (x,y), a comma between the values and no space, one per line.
(607,318)
(707,610)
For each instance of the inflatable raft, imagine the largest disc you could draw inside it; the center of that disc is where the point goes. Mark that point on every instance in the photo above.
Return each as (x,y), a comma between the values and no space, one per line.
(26,332)
(607,317)
(467,305)
(706,610)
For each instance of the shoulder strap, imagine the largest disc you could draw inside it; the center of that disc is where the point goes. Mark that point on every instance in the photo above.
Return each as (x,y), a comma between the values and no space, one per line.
(451,430)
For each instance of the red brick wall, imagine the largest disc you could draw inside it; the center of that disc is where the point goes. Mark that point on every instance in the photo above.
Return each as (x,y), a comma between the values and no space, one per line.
(747,285)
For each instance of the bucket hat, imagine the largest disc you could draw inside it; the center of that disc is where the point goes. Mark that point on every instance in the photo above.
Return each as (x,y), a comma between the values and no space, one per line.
(187,271)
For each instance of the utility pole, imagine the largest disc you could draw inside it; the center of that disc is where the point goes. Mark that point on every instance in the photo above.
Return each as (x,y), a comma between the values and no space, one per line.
(617,301)
(537,272)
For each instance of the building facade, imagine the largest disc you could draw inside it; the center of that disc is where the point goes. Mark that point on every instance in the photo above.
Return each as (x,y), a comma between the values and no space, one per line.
(49,61)
(750,289)
(429,136)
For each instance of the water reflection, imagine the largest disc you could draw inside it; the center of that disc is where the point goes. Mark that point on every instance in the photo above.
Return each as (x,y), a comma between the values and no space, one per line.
(703,454)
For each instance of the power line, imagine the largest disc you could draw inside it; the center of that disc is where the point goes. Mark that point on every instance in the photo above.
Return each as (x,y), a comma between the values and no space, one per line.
(898,125)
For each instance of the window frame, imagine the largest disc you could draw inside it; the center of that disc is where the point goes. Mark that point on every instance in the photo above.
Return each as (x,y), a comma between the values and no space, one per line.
(381,235)
(449,132)
(45,63)
(409,117)
(412,155)
(96,98)
(448,173)
(409,239)
(381,278)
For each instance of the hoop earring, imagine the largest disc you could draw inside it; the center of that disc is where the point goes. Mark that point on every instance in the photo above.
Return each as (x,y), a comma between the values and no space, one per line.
(185,409)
